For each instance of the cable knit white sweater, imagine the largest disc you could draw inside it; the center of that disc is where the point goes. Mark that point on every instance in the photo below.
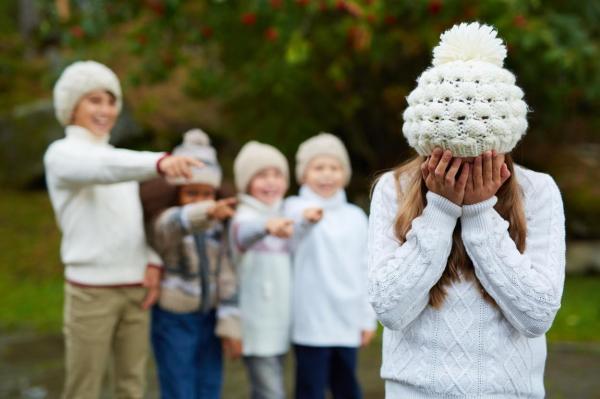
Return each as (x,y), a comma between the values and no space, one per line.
(468,348)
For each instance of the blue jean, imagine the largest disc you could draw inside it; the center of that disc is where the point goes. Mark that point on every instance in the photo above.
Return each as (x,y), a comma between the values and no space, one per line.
(320,368)
(188,354)
(266,376)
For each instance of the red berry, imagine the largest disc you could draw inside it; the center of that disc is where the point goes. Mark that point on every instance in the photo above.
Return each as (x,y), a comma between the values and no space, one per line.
(435,6)
(276,3)
(520,21)
(168,59)
(271,34)
(248,19)
(207,32)
(157,6)
(77,31)
(359,38)
(302,3)
(390,20)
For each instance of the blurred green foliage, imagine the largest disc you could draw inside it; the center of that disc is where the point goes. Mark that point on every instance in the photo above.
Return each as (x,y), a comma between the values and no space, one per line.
(282,70)
(294,67)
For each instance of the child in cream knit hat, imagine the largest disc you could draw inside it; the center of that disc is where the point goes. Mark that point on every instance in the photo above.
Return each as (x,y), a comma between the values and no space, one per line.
(93,188)
(331,314)
(197,309)
(262,251)
(466,249)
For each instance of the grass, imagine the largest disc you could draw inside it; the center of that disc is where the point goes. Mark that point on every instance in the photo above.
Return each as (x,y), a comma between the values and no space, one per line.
(31,285)
(579,316)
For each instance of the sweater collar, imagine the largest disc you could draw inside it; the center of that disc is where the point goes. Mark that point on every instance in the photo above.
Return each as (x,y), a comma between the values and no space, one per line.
(259,206)
(80,133)
(336,200)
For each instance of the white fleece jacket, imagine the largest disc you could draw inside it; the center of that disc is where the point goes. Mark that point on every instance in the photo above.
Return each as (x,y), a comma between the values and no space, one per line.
(94,191)
(330,304)
(468,348)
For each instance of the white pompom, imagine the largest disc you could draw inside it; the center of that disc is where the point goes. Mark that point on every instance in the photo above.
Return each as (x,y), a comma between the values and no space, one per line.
(466,42)
(196,137)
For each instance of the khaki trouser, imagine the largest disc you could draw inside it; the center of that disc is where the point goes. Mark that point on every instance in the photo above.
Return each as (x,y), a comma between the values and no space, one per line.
(102,324)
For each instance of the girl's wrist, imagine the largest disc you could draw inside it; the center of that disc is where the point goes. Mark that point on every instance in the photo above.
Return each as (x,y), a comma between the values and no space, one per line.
(469,210)
(443,204)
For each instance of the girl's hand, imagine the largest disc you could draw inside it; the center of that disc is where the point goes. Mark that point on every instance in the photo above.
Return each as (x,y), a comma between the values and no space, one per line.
(223,209)
(488,175)
(178,166)
(440,174)
(313,215)
(280,227)
(366,336)
(232,348)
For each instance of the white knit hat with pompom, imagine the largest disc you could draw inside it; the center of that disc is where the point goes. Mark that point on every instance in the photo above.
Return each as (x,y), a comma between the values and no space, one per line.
(196,144)
(466,102)
(77,80)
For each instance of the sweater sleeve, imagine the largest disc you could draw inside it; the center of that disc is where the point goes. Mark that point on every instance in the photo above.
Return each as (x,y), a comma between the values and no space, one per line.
(194,217)
(180,220)
(401,275)
(99,165)
(154,259)
(294,209)
(246,233)
(368,319)
(526,286)
(228,312)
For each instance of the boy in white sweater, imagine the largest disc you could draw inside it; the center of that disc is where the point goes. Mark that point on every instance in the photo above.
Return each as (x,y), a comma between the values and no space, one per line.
(111,276)
(331,314)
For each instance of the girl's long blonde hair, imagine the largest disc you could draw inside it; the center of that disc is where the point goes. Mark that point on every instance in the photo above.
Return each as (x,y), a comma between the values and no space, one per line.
(411,192)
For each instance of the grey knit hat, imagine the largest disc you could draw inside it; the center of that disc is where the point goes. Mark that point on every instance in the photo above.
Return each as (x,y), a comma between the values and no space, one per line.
(322,144)
(252,158)
(196,144)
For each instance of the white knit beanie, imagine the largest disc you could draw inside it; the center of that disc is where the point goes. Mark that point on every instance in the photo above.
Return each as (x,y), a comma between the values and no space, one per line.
(322,144)
(196,144)
(77,80)
(252,158)
(466,102)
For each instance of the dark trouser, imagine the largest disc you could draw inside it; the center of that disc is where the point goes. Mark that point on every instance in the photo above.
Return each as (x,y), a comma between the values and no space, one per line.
(319,368)
(188,355)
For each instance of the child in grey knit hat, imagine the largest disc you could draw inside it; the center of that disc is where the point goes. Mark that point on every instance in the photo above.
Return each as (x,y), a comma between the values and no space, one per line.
(197,311)
(332,317)
(262,252)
